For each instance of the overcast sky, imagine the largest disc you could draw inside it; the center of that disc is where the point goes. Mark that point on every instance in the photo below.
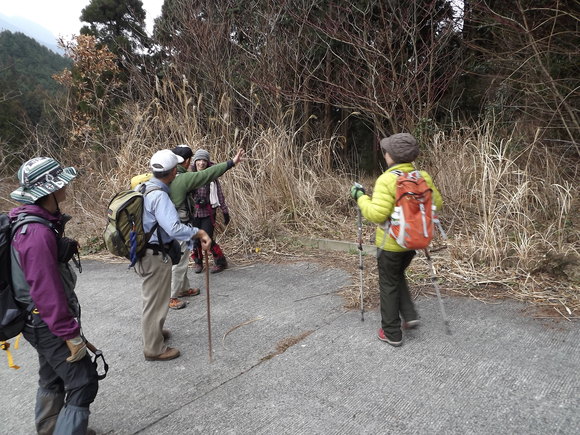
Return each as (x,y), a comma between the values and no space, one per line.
(61,17)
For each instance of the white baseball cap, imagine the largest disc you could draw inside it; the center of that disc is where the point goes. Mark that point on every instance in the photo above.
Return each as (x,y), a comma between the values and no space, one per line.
(164,160)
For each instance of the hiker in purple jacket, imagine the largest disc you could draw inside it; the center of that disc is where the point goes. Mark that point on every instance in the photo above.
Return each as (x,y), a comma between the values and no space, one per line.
(68,381)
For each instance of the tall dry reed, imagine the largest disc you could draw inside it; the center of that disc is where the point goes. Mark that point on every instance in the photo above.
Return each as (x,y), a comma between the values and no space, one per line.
(507,205)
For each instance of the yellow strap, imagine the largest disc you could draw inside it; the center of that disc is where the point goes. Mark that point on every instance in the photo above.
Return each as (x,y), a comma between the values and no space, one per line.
(5,346)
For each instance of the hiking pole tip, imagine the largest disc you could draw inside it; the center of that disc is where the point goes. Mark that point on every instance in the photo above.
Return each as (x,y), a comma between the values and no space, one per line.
(447,328)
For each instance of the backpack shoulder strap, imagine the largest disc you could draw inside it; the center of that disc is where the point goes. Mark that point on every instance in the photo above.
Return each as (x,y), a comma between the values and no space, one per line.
(24,219)
(145,188)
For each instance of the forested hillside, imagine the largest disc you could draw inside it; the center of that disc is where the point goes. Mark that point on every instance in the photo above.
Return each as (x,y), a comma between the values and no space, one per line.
(26,85)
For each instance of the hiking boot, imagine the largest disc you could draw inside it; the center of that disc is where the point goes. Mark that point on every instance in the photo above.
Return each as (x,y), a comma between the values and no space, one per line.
(383,337)
(198,268)
(176,304)
(218,268)
(411,324)
(170,353)
(189,292)
(166,334)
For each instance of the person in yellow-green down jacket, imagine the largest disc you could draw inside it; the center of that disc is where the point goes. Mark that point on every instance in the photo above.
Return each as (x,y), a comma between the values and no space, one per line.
(399,150)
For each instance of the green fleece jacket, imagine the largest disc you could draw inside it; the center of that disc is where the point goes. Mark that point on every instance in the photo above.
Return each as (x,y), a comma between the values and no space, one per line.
(187,181)
(379,208)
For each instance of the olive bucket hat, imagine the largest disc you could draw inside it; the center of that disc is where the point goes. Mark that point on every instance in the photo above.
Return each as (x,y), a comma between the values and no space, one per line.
(39,177)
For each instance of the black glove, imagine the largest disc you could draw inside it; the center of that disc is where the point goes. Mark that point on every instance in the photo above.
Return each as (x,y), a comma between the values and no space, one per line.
(67,249)
(226,218)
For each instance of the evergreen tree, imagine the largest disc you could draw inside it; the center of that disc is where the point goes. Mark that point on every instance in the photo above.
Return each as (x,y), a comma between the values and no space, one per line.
(120,25)
(26,85)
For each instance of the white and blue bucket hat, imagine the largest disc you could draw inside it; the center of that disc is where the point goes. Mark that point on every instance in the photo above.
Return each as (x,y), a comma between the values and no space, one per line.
(39,177)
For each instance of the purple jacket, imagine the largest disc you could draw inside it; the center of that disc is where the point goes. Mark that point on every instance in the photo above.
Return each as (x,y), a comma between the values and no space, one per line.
(37,250)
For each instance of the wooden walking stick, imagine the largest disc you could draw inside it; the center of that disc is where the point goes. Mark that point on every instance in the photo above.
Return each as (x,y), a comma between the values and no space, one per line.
(208,303)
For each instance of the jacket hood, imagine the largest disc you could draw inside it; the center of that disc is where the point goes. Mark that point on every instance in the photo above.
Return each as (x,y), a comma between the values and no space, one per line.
(35,210)
(403,167)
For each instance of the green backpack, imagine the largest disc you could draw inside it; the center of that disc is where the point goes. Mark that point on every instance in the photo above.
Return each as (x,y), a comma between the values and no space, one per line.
(124,235)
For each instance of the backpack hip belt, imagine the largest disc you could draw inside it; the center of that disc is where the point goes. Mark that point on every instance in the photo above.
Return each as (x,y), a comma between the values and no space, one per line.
(157,248)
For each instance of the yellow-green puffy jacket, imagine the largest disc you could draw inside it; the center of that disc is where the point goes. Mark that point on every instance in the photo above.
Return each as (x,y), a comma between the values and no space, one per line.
(379,208)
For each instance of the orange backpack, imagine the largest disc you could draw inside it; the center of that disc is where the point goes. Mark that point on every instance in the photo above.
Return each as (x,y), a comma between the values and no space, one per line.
(412,221)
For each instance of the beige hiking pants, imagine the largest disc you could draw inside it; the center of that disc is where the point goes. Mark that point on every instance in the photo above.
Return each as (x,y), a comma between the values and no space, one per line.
(179,279)
(155,291)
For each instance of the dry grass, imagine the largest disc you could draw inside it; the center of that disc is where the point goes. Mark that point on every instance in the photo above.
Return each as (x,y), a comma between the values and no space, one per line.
(286,343)
(509,208)
(506,208)
(544,296)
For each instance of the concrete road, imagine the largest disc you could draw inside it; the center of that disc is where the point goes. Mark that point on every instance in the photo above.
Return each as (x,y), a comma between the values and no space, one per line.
(288,359)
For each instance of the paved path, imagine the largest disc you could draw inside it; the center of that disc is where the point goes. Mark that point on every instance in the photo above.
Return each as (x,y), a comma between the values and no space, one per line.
(499,373)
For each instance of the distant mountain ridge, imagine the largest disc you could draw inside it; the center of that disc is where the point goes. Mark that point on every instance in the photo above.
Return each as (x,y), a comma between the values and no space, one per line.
(31,29)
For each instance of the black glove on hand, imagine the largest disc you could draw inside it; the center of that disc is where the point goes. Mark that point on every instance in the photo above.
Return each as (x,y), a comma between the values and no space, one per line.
(67,249)
(226,218)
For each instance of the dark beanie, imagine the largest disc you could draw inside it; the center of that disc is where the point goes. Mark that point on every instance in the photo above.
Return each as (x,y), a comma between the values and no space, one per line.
(182,151)
(402,147)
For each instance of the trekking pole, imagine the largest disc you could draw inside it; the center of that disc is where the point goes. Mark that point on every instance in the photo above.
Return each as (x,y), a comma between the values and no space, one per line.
(208,304)
(436,285)
(98,354)
(360,265)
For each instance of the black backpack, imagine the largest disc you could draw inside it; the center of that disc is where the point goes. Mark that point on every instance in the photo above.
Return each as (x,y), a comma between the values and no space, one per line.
(12,313)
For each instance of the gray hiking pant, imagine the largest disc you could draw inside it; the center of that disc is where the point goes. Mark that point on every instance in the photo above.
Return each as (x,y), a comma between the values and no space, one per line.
(65,390)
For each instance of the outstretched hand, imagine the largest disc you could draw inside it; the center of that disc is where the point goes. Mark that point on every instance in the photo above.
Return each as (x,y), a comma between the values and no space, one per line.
(239,156)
